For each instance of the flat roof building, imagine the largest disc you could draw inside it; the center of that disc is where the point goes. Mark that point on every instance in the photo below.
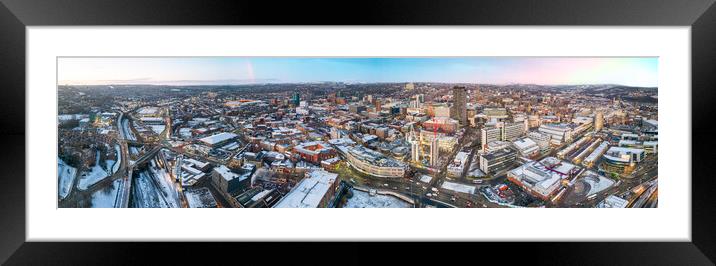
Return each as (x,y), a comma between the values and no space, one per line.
(314,191)
(373,163)
(527,147)
(498,160)
(542,178)
(227,181)
(218,139)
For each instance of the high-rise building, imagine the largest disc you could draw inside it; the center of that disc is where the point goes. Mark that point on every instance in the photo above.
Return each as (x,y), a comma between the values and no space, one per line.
(434,152)
(489,134)
(417,101)
(378,106)
(459,97)
(415,150)
(513,131)
(599,121)
(296,99)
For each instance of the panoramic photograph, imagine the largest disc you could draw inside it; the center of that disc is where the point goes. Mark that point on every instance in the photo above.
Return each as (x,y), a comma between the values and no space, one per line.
(357,132)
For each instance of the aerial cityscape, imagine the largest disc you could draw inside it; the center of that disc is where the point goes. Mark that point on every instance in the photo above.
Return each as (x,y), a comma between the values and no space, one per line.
(262,132)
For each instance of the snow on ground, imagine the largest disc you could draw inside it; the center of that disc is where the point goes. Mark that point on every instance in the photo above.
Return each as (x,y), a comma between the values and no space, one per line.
(95,174)
(127,131)
(119,158)
(458,187)
(426,178)
(362,199)
(168,188)
(476,173)
(596,182)
(65,175)
(158,129)
(146,194)
(105,198)
(200,198)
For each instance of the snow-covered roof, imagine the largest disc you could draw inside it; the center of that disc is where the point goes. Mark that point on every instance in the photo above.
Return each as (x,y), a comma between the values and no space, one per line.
(524,143)
(196,163)
(224,172)
(614,202)
(261,194)
(217,138)
(310,191)
(543,175)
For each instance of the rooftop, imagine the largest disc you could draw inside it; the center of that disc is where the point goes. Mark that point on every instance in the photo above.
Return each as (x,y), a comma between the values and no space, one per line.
(374,157)
(524,143)
(217,138)
(497,154)
(226,173)
(542,174)
(309,192)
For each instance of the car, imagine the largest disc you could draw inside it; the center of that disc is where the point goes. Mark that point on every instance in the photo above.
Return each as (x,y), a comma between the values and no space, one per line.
(429,195)
(385,185)
(395,188)
(453,199)
(407,188)
(434,189)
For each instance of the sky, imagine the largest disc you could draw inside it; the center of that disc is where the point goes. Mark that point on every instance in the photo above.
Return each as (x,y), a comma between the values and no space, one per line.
(630,71)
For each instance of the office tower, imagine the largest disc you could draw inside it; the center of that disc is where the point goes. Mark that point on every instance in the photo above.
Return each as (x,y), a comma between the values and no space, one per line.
(415,150)
(459,112)
(296,99)
(434,152)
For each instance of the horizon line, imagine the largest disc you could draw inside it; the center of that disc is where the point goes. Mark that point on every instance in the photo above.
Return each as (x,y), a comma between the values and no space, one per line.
(350,82)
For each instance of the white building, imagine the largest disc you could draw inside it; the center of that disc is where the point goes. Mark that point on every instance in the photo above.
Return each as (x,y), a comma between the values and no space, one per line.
(512,131)
(613,202)
(559,133)
(415,150)
(314,191)
(434,152)
(542,178)
(456,167)
(490,134)
(218,139)
(542,140)
(526,147)
(496,145)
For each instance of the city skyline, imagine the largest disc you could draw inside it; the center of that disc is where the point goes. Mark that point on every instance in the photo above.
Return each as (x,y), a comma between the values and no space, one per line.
(384,138)
(628,71)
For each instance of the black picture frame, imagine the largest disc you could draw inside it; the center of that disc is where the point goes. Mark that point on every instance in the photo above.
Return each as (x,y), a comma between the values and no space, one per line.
(15,15)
